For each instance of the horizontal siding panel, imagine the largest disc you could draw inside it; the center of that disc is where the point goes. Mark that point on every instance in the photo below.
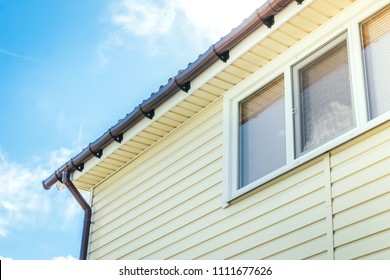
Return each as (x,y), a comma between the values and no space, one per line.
(183,148)
(359,145)
(364,246)
(362,211)
(362,229)
(369,157)
(173,170)
(256,232)
(362,194)
(139,234)
(361,178)
(194,134)
(152,241)
(128,210)
(290,240)
(321,256)
(242,221)
(378,255)
(305,250)
(145,205)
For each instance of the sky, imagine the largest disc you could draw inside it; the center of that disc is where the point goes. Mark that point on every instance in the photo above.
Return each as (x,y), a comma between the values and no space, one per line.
(69,70)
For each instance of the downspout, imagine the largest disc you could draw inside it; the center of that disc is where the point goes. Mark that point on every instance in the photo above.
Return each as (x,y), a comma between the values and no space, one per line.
(87,213)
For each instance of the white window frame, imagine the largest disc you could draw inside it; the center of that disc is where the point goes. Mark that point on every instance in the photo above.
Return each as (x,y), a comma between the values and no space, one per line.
(347,24)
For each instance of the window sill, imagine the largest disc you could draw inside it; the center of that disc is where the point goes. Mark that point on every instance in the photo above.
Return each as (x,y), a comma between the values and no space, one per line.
(341,140)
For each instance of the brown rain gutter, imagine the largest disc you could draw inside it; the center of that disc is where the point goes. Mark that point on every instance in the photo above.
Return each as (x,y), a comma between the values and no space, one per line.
(87,213)
(220,50)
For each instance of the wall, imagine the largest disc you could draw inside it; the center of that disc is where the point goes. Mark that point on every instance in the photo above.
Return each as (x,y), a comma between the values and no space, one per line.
(166,204)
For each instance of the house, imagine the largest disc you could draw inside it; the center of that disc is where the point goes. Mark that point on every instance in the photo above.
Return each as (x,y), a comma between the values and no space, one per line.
(273,144)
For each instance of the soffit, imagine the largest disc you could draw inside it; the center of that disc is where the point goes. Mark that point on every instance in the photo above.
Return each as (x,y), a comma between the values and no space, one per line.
(313,15)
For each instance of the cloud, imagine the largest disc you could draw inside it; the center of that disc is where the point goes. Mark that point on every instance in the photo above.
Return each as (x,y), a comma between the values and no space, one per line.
(145,17)
(5,258)
(105,48)
(172,24)
(68,258)
(24,203)
(24,57)
(212,19)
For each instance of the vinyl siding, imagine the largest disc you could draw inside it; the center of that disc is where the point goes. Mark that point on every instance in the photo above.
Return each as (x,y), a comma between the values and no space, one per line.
(166,204)
(361,196)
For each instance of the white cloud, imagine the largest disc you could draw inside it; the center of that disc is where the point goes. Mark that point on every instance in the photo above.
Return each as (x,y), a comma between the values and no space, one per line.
(68,258)
(23,201)
(103,50)
(198,23)
(5,258)
(145,17)
(212,19)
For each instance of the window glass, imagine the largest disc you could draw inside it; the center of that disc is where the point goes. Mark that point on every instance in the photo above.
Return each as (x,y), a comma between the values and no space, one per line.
(325,99)
(262,133)
(376,42)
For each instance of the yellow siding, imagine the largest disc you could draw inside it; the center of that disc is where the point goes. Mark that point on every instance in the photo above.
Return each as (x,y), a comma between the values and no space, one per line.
(361,196)
(166,204)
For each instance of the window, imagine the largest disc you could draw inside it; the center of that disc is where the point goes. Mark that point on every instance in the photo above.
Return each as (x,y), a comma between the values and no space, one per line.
(262,133)
(376,42)
(323,102)
(310,99)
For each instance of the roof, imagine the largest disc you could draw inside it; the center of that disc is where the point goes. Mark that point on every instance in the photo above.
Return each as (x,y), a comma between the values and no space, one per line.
(128,138)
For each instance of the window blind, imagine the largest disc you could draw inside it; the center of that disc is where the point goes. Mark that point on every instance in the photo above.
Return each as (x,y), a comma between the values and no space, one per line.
(262,132)
(376,42)
(325,97)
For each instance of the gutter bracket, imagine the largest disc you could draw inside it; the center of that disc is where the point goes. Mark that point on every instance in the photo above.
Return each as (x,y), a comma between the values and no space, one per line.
(184,87)
(224,56)
(79,167)
(97,154)
(269,21)
(118,138)
(149,114)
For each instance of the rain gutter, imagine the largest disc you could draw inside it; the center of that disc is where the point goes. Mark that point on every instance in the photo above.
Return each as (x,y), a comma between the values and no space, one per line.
(87,214)
(218,51)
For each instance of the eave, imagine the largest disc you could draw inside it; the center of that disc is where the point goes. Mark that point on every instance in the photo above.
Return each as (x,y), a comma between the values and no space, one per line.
(259,46)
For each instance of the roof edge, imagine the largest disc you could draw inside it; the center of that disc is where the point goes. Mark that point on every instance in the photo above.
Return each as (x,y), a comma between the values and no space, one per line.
(261,16)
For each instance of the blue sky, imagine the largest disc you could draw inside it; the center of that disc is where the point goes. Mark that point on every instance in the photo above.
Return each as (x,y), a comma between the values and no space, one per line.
(68,71)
